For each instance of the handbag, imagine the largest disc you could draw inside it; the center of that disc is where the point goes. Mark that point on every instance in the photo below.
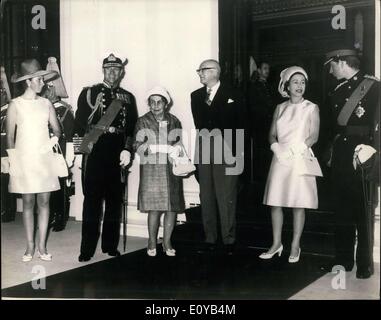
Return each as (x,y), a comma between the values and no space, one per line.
(308,165)
(182,166)
(59,163)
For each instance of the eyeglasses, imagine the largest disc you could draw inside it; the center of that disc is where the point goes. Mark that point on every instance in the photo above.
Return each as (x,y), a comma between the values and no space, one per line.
(153,103)
(203,69)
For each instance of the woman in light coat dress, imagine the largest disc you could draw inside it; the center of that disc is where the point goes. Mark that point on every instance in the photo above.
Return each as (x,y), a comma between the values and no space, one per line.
(158,142)
(30,153)
(295,128)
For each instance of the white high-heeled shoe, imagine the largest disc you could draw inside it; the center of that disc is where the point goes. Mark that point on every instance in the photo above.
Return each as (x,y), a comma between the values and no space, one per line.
(151,252)
(27,257)
(294,259)
(169,252)
(267,255)
(44,256)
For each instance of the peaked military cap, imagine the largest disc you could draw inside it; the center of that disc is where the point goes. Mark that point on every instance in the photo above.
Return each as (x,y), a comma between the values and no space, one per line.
(112,61)
(339,53)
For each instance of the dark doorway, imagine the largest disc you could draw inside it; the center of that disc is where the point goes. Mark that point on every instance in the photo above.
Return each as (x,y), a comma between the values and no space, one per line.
(20,40)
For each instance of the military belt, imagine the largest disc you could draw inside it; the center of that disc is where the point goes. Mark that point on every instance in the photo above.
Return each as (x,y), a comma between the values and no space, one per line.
(354,130)
(107,129)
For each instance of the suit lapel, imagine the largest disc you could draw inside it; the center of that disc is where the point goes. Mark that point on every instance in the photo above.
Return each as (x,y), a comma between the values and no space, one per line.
(219,97)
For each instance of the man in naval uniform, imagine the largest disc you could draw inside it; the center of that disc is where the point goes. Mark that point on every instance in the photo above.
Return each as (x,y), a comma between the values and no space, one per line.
(354,106)
(101,169)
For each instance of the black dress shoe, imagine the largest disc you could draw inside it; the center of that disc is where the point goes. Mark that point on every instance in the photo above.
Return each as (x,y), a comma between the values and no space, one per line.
(114,253)
(207,248)
(363,273)
(83,258)
(229,249)
(58,227)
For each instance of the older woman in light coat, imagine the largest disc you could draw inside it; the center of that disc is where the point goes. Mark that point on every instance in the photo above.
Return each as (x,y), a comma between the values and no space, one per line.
(158,142)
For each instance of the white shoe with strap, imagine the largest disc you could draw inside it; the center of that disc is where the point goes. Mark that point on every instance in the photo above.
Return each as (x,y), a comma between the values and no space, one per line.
(294,259)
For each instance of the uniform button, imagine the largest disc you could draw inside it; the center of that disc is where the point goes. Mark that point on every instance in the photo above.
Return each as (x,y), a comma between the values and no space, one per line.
(349,87)
(345,139)
(336,106)
(346,99)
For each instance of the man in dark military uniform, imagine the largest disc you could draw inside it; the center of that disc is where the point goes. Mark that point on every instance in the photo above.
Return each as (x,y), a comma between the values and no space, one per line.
(354,105)
(60,199)
(8,200)
(261,99)
(101,169)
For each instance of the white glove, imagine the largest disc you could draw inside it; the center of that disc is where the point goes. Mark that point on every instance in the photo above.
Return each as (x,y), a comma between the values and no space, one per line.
(298,148)
(125,158)
(281,155)
(162,148)
(70,154)
(48,146)
(4,165)
(362,154)
(53,141)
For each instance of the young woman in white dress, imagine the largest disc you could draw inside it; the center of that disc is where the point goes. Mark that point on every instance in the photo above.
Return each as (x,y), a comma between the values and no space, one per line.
(295,128)
(30,153)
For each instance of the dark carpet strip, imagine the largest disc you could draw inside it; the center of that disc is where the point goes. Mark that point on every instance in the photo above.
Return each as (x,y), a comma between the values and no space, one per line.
(189,275)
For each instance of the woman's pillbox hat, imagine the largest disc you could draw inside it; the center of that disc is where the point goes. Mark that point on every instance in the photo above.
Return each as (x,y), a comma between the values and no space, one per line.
(286,75)
(161,91)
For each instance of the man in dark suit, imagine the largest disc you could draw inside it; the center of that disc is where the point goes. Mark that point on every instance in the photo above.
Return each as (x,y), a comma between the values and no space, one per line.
(218,111)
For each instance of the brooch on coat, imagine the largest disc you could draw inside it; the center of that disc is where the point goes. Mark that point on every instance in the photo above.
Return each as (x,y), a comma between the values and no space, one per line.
(360,111)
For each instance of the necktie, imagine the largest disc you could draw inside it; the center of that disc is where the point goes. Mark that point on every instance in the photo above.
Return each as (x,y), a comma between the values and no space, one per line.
(207,99)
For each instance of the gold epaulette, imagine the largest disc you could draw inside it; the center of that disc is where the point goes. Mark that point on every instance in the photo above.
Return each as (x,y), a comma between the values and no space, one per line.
(371,77)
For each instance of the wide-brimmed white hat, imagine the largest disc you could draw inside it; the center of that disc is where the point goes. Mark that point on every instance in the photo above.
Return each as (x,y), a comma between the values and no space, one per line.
(286,75)
(161,91)
(31,69)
